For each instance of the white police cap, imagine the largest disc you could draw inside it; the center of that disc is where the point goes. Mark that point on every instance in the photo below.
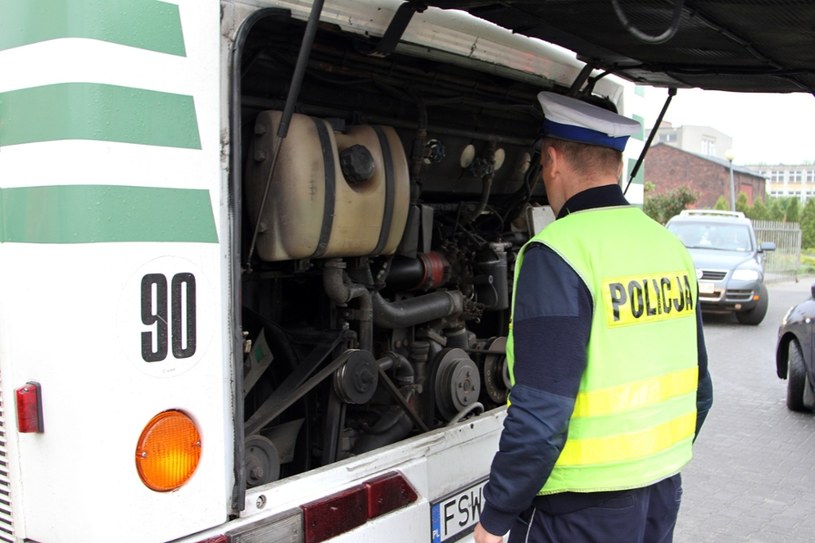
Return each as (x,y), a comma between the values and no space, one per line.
(571,119)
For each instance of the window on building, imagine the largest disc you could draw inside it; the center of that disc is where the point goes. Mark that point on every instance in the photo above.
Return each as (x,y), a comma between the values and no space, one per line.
(708,146)
(777,176)
(810,176)
(669,137)
(796,176)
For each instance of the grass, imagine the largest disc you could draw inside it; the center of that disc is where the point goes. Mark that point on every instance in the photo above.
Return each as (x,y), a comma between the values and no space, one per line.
(807,261)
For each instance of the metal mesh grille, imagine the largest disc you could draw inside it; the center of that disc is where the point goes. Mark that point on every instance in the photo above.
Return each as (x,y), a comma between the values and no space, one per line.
(6,523)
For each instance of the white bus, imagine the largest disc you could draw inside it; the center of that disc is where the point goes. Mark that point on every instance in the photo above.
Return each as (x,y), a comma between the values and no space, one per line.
(217,329)
(256,259)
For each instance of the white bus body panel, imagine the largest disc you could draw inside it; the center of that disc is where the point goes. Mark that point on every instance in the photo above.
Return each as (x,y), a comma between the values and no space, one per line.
(70,316)
(437,464)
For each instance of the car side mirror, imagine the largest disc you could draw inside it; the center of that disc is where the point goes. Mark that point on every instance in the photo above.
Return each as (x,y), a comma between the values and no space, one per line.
(766,246)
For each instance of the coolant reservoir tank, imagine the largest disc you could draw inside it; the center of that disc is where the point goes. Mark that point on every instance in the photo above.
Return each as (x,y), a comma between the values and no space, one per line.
(331,194)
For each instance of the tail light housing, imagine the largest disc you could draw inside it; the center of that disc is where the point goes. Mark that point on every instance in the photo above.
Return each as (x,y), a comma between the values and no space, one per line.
(168,451)
(341,512)
(29,408)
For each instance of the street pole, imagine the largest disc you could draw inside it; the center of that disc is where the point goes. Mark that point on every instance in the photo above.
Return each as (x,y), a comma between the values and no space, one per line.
(729,156)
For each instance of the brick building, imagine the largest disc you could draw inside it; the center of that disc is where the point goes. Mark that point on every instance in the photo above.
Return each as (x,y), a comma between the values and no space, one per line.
(669,168)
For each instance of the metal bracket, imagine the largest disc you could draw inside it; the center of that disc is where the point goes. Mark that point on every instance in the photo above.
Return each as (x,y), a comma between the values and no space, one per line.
(387,44)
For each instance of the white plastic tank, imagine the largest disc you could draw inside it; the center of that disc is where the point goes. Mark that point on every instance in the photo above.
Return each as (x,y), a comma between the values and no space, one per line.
(331,194)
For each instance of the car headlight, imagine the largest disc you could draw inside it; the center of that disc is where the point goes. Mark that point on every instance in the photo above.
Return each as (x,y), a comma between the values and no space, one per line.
(745,274)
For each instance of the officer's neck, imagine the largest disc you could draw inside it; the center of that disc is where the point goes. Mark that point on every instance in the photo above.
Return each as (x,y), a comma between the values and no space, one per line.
(595,196)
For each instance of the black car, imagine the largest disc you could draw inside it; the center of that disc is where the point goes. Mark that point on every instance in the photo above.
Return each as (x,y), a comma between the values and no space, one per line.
(793,354)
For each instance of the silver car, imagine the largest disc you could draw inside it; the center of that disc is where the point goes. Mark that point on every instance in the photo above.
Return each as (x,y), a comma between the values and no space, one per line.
(729,262)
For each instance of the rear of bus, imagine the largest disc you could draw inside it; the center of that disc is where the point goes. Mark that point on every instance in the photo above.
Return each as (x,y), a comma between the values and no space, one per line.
(253,306)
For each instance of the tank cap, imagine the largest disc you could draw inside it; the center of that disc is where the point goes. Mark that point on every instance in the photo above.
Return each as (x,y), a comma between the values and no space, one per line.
(357,164)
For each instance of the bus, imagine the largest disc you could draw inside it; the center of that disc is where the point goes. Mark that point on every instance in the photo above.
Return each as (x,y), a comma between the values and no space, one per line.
(256,264)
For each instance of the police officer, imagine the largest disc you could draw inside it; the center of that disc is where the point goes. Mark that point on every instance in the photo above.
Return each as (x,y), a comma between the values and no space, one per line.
(606,355)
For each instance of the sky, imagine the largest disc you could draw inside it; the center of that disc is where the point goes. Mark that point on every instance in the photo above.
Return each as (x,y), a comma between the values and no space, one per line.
(765,128)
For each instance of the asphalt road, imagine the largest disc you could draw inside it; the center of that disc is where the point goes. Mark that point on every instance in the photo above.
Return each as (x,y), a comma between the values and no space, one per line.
(753,473)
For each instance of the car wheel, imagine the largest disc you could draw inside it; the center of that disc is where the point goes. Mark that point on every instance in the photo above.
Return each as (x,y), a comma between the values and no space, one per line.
(796,378)
(755,315)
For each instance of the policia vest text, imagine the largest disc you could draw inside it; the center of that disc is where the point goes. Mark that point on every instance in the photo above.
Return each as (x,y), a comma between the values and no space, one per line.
(635,414)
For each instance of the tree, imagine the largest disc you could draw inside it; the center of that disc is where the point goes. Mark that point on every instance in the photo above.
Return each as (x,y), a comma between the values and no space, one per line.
(741,203)
(807,222)
(792,210)
(758,211)
(721,204)
(662,207)
(775,212)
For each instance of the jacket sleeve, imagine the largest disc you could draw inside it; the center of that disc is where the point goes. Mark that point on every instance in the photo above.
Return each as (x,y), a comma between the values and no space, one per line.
(551,325)
(704,390)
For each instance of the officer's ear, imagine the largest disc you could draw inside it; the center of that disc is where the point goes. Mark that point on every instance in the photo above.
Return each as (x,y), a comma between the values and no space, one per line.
(549,153)
(555,159)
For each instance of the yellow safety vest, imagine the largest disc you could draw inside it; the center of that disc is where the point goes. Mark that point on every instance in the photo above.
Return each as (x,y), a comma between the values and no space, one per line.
(635,413)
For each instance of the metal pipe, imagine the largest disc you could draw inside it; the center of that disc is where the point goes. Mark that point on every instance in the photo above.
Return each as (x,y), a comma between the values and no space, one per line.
(418,310)
(729,157)
(636,168)
(486,185)
(336,287)
(341,292)
(300,67)
(402,369)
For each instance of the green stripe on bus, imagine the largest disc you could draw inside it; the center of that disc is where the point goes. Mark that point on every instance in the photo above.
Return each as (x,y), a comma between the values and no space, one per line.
(146,24)
(640,178)
(105,213)
(94,111)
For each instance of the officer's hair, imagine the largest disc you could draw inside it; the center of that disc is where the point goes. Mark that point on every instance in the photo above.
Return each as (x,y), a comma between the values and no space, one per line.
(588,159)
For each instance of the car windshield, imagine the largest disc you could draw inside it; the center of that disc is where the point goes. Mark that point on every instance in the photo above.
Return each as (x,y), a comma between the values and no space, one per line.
(717,236)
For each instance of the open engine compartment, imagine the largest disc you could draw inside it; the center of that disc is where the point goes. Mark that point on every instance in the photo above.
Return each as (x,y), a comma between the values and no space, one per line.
(378,241)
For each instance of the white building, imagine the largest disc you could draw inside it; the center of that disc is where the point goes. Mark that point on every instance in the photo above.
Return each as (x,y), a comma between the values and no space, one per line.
(701,140)
(785,180)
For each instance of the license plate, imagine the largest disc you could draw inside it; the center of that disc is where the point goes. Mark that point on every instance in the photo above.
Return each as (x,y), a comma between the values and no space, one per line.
(454,516)
(705,287)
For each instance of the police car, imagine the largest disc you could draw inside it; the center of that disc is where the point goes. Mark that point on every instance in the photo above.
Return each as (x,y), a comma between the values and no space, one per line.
(729,261)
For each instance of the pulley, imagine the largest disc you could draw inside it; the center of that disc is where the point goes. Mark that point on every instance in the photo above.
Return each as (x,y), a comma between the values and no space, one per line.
(355,381)
(457,382)
(496,371)
(261,460)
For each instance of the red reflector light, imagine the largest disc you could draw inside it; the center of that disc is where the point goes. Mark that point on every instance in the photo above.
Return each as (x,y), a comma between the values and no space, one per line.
(336,514)
(216,539)
(29,408)
(387,493)
(341,512)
